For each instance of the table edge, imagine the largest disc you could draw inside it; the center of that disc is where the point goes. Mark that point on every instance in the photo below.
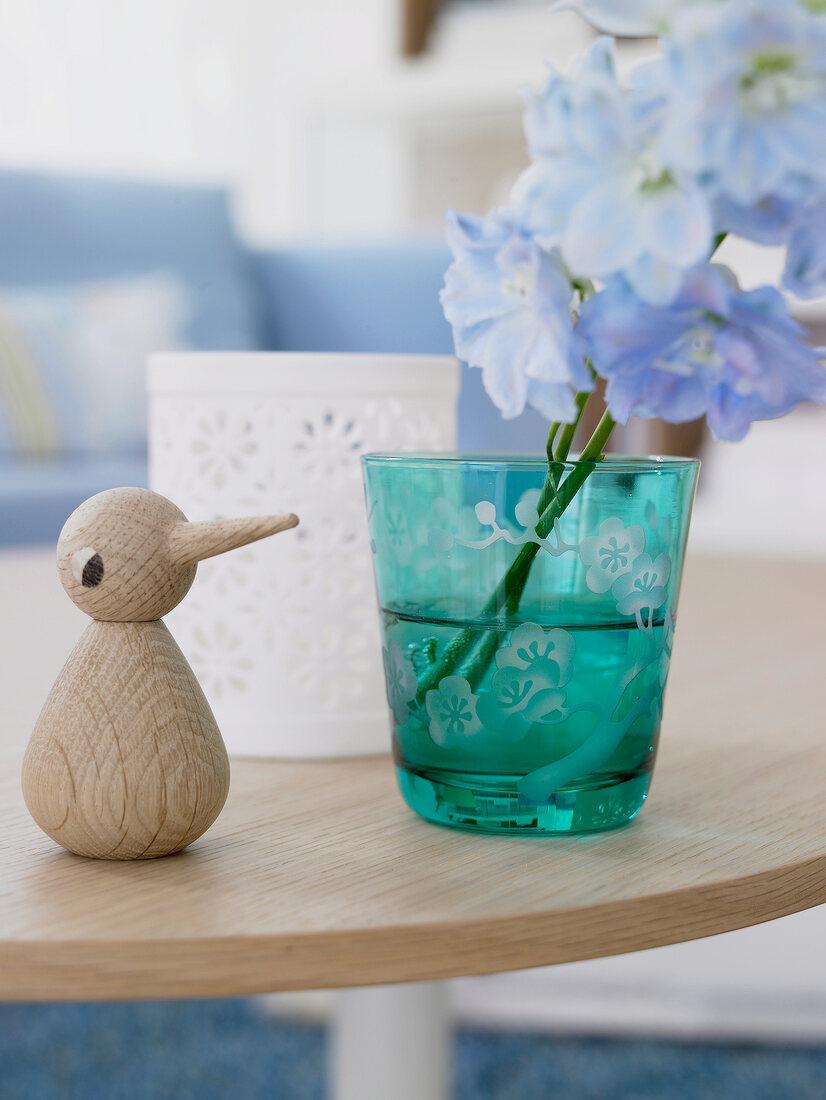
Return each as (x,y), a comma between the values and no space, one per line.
(243,965)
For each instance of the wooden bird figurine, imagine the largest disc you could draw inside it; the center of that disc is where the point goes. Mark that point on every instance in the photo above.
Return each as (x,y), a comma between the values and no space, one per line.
(126,760)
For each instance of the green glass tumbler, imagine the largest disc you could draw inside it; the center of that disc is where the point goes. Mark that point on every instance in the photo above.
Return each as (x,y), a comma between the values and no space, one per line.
(528,620)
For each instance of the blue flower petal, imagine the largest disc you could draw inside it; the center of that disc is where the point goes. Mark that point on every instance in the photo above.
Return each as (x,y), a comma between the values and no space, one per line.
(747,110)
(675,224)
(654,280)
(768,221)
(805,272)
(602,236)
(735,356)
(509,304)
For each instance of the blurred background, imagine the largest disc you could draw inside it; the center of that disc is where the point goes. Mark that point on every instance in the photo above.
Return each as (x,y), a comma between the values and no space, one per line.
(290,165)
(261,173)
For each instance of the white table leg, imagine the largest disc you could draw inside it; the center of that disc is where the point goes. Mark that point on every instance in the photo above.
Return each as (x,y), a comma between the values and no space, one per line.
(391,1041)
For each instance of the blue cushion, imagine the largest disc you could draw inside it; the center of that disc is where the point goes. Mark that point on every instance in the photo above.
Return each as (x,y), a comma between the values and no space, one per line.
(73,363)
(69,229)
(36,498)
(56,228)
(381,298)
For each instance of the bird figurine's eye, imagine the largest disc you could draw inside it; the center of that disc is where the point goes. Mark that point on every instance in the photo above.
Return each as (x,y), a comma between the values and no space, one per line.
(87,567)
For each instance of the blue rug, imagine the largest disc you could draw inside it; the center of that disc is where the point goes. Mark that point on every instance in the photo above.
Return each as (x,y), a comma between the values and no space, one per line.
(211,1050)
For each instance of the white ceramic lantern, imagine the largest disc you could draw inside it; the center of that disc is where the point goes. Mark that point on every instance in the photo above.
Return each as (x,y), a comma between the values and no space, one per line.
(283,636)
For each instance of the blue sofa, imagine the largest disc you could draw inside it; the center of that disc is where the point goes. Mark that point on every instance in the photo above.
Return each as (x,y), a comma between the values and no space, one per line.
(383,298)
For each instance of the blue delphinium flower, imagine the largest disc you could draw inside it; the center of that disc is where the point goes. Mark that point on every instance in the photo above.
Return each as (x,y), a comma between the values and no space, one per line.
(805,274)
(747,110)
(509,303)
(600,188)
(767,221)
(736,356)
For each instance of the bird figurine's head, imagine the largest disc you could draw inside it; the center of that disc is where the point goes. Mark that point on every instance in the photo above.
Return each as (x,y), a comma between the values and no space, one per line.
(130,555)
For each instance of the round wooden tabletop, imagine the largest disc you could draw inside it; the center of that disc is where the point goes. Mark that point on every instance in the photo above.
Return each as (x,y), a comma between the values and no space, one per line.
(317,874)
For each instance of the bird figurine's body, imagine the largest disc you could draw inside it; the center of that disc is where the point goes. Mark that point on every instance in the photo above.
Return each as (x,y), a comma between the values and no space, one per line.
(126,760)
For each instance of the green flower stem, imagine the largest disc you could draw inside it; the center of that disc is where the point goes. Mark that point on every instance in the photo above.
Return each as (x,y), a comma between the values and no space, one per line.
(506,596)
(557,456)
(490,642)
(551,437)
(556,459)
(549,511)
(480,663)
(569,431)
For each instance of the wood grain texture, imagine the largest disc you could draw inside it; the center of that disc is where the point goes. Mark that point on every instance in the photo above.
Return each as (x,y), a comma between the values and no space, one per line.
(129,555)
(317,875)
(126,760)
(193,542)
(128,530)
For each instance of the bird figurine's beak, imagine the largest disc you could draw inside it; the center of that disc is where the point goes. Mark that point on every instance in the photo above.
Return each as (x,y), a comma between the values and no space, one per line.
(192,542)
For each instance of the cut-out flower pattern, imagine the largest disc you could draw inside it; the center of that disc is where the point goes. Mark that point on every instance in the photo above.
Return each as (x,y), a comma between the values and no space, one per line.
(546,652)
(611,553)
(328,556)
(329,446)
(398,527)
(232,574)
(397,531)
(518,699)
(328,664)
(525,688)
(644,587)
(452,711)
(527,691)
(443,538)
(450,525)
(399,680)
(224,447)
(401,426)
(219,660)
(261,452)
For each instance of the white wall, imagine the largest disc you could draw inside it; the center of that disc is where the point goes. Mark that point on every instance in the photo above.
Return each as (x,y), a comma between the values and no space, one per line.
(187,89)
(292,57)
(306,107)
(364,144)
(119,86)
